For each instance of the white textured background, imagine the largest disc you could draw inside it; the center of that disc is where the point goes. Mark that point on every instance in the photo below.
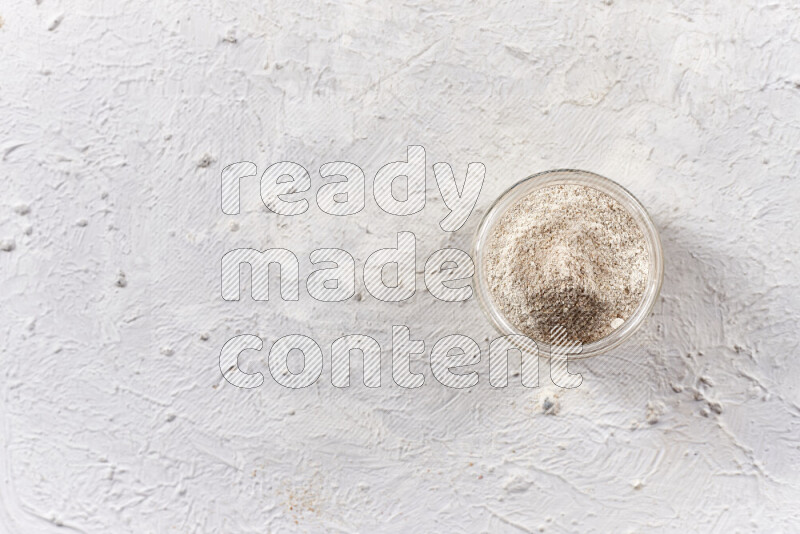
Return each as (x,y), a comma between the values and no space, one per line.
(117,118)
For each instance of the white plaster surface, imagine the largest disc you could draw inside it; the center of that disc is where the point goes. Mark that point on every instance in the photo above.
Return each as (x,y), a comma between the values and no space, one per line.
(117,118)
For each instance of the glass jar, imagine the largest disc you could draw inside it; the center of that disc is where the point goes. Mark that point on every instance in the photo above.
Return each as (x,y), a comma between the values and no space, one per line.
(569,177)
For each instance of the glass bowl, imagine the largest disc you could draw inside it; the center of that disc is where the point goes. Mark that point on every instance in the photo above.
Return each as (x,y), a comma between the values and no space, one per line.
(569,177)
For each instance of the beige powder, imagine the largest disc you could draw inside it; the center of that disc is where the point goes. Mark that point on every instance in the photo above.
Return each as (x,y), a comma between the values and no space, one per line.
(567,255)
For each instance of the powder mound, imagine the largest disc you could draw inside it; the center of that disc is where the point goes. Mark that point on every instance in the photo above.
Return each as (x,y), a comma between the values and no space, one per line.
(569,256)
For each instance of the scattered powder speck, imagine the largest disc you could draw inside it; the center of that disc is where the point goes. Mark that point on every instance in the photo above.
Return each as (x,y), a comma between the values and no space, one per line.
(570,256)
(55,23)
(205,161)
